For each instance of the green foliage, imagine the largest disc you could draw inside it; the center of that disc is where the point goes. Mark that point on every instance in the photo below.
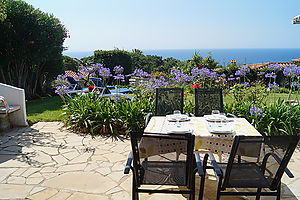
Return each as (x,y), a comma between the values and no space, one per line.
(251,95)
(280,119)
(98,115)
(31,45)
(71,63)
(112,58)
(276,119)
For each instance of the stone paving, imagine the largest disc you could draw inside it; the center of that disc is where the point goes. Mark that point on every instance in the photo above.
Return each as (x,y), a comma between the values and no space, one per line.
(46,161)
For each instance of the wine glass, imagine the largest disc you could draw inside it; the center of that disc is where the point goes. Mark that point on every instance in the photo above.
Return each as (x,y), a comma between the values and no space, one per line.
(177,115)
(215,114)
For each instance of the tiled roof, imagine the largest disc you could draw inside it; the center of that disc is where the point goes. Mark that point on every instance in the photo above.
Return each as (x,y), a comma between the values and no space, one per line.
(262,65)
(296,60)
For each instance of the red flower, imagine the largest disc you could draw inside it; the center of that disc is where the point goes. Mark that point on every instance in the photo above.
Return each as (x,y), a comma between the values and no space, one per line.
(200,66)
(197,85)
(91,88)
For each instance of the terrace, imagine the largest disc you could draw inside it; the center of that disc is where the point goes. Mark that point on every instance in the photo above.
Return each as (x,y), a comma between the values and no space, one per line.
(46,161)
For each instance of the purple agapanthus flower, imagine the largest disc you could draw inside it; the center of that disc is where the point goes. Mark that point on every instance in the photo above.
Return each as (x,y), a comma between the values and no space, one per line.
(245,84)
(61,89)
(104,72)
(157,83)
(261,73)
(118,69)
(242,71)
(201,72)
(274,86)
(213,75)
(291,71)
(119,77)
(61,78)
(223,75)
(274,67)
(231,78)
(179,76)
(270,75)
(295,84)
(140,73)
(255,111)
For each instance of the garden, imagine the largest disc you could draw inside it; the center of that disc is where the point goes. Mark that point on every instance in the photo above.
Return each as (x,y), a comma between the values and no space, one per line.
(254,95)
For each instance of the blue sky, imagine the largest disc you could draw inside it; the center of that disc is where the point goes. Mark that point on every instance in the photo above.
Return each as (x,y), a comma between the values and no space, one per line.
(175,24)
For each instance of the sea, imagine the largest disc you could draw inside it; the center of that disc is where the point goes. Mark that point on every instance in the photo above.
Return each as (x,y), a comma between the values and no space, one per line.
(222,56)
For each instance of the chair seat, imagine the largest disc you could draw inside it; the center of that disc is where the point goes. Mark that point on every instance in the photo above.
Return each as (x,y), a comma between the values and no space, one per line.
(245,175)
(164,173)
(121,90)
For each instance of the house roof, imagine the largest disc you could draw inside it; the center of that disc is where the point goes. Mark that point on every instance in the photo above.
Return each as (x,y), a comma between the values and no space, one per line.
(262,65)
(297,60)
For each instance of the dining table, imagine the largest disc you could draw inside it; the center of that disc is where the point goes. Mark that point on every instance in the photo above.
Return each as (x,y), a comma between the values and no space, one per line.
(217,142)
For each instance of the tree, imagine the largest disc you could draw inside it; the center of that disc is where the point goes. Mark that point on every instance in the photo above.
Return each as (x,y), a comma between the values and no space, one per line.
(31,47)
(113,58)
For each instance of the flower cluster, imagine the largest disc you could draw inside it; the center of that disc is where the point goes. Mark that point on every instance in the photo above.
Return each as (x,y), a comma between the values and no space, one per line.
(202,73)
(61,89)
(179,77)
(119,77)
(196,85)
(118,69)
(270,75)
(242,71)
(139,73)
(274,86)
(274,67)
(157,83)
(255,111)
(104,72)
(291,71)
(295,84)
(245,84)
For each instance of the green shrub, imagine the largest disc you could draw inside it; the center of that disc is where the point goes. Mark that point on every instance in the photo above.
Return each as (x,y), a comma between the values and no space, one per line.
(105,116)
(276,119)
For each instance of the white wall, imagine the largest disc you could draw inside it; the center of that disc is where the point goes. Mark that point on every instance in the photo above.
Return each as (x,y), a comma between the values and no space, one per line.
(15,96)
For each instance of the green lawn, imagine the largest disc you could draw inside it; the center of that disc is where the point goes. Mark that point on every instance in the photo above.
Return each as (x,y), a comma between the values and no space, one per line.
(44,109)
(50,108)
(273,97)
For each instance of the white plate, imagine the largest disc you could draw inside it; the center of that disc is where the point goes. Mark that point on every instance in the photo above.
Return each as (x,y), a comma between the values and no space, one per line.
(218,118)
(220,128)
(171,118)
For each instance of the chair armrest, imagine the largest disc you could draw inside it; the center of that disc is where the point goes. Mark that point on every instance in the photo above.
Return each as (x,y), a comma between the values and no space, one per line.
(128,164)
(286,170)
(199,166)
(230,115)
(214,164)
(148,117)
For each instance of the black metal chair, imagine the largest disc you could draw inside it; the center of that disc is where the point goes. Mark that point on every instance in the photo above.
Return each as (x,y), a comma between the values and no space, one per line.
(242,170)
(166,101)
(208,99)
(167,168)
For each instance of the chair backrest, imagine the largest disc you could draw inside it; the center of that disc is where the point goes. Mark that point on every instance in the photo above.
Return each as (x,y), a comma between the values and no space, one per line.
(167,100)
(263,148)
(72,81)
(170,149)
(98,83)
(208,99)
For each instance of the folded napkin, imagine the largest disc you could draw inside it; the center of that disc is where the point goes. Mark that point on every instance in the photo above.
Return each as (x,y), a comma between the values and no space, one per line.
(172,118)
(179,129)
(219,128)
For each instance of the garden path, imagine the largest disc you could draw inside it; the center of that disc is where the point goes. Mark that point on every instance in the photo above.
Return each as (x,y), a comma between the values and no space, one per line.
(46,161)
